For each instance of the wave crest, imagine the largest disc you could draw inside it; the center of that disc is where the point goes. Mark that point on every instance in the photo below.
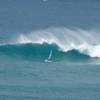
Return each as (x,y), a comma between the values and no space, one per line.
(85,41)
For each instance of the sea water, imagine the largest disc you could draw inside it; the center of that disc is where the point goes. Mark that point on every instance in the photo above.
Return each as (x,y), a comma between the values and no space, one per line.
(29,80)
(49,50)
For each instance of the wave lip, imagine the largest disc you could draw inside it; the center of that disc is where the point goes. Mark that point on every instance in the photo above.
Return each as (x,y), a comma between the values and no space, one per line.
(66,39)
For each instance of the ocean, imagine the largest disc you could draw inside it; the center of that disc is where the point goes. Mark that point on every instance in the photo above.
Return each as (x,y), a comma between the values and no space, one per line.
(49,50)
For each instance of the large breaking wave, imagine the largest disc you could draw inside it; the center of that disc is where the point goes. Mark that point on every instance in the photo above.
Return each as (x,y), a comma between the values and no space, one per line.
(65,44)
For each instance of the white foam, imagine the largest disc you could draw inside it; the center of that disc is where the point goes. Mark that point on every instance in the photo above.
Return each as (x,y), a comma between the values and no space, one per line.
(85,41)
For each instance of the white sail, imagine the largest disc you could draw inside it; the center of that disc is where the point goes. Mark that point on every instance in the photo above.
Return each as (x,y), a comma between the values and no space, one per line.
(49,57)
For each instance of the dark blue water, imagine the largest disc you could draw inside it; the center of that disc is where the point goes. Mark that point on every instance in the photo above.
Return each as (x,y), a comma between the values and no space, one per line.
(49,50)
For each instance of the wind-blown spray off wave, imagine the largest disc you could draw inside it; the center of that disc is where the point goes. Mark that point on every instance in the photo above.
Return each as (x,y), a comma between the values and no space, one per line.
(64,43)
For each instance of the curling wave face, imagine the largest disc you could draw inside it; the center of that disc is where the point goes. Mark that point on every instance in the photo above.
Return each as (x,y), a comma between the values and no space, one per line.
(65,44)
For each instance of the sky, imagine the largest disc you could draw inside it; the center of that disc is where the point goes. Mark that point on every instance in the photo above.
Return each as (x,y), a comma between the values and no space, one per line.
(27,15)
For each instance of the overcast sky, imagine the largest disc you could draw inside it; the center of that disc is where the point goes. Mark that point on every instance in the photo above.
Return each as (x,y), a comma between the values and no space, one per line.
(27,15)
